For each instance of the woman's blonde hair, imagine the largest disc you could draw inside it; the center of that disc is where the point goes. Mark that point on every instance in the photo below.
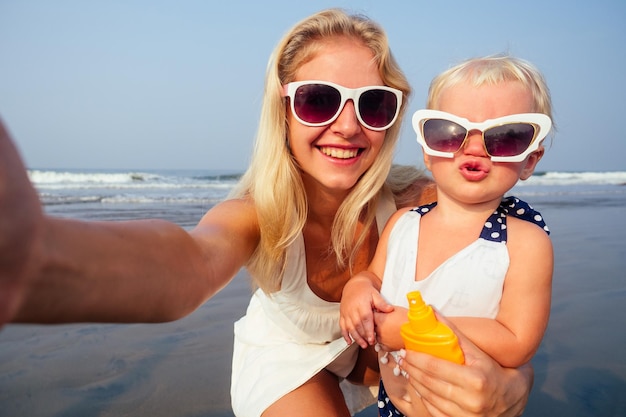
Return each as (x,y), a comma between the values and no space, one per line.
(494,69)
(273,179)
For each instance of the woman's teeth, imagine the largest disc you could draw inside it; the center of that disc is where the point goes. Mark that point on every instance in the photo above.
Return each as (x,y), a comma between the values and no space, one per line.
(339,153)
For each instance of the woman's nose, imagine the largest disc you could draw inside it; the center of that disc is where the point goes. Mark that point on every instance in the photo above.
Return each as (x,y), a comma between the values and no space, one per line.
(347,124)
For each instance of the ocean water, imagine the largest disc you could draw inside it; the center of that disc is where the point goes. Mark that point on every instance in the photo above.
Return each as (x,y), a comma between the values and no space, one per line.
(179,196)
(183,368)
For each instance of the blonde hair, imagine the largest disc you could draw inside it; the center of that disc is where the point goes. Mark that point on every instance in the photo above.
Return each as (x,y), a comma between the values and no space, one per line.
(273,180)
(494,69)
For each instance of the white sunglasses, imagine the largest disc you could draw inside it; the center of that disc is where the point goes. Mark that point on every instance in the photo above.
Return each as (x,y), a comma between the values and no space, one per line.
(505,139)
(319,103)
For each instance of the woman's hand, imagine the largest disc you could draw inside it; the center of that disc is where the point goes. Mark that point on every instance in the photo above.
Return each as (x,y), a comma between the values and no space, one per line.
(21,223)
(481,387)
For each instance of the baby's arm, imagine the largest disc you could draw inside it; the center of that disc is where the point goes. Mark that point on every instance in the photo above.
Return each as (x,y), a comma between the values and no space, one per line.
(361,295)
(359,299)
(515,334)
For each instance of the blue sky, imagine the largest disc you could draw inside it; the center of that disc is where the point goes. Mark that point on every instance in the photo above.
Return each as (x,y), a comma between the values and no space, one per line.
(177,84)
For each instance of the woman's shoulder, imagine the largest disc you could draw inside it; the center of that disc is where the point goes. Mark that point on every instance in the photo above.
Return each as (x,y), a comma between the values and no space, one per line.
(236,214)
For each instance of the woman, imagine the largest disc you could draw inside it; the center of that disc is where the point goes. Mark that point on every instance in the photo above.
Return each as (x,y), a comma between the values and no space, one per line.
(305,216)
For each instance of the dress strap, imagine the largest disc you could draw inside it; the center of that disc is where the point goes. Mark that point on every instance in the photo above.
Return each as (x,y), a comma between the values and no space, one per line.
(495,226)
(425,208)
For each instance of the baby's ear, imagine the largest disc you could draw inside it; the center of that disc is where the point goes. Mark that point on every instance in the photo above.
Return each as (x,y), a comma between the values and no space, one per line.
(531,162)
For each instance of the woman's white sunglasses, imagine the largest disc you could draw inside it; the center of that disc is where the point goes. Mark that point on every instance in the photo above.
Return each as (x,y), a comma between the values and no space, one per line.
(319,103)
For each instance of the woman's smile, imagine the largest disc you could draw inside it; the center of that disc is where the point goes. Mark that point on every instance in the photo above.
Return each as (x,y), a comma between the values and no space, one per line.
(340,153)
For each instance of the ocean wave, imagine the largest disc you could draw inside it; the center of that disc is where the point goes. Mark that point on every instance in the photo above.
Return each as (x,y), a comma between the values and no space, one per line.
(577,178)
(219,177)
(59,180)
(56,200)
(116,188)
(51,200)
(66,177)
(160,200)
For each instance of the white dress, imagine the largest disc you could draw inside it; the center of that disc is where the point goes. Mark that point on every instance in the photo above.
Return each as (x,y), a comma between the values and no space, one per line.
(467,284)
(470,282)
(289,336)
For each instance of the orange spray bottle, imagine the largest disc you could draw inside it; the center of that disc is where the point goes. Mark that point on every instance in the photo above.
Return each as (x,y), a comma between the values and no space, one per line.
(424,333)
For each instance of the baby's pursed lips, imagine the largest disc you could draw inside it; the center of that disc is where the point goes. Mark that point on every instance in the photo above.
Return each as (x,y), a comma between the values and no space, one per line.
(474,166)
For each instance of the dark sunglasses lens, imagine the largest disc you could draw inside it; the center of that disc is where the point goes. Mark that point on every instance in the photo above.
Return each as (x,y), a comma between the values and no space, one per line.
(316,103)
(443,135)
(378,107)
(510,139)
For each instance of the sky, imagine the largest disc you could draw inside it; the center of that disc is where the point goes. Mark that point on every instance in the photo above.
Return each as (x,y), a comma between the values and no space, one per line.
(177,84)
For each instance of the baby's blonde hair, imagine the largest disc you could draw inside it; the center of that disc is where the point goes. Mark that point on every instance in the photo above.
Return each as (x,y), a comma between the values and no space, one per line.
(494,69)
(273,180)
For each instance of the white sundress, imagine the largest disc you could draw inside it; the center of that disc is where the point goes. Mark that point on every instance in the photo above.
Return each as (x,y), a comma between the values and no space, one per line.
(467,284)
(289,336)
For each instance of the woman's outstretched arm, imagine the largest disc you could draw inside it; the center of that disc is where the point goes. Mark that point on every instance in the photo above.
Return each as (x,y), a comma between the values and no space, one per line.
(56,270)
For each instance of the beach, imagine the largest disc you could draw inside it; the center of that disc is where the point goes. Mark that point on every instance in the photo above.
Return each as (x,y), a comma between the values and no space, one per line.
(182,368)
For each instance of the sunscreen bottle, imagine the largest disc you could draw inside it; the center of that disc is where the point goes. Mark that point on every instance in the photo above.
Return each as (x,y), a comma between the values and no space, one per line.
(424,333)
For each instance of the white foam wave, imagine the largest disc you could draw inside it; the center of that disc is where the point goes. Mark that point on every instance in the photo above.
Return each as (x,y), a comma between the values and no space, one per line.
(184,187)
(66,177)
(56,179)
(59,180)
(577,178)
(159,200)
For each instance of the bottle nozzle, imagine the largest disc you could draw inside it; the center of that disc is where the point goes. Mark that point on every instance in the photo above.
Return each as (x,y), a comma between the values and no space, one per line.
(421,316)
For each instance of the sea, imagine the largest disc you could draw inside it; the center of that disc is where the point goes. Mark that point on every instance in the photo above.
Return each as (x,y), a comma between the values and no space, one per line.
(181,196)
(182,368)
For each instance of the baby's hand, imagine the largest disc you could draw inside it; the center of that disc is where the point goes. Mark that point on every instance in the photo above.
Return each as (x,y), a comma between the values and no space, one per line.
(387,325)
(359,301)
